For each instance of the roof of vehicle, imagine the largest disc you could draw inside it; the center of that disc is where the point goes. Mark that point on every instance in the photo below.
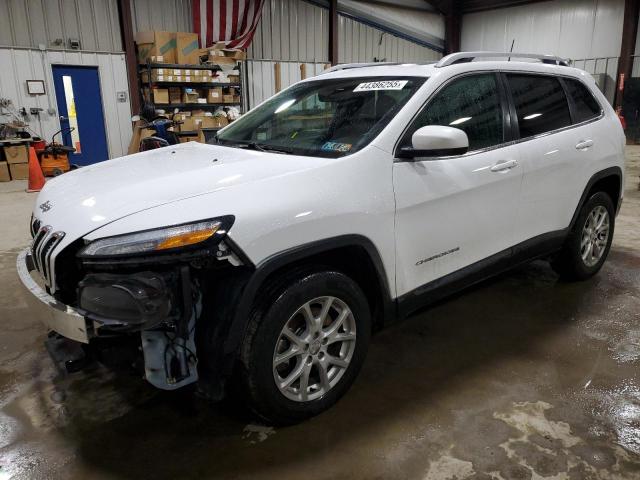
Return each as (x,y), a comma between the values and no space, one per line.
(457,62)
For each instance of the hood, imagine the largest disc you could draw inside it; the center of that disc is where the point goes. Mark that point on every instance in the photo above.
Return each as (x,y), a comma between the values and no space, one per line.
(83,200)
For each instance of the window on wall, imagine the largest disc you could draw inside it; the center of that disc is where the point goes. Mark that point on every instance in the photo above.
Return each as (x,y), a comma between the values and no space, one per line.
(541,105)
(472,104)
(585,106)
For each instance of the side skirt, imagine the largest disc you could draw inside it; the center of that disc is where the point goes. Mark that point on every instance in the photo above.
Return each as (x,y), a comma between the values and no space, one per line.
(537,247)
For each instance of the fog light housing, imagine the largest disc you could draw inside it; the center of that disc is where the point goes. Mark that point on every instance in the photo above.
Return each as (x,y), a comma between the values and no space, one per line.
(126,302)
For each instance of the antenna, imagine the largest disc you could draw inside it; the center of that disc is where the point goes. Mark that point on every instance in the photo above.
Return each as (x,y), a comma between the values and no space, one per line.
(511,50)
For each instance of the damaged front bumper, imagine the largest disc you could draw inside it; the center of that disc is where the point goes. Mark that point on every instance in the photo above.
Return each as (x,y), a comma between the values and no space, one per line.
(170,360)
(57,316)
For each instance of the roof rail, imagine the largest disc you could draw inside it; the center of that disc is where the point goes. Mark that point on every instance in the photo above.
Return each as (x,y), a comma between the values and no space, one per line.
(348,66)
(463,57)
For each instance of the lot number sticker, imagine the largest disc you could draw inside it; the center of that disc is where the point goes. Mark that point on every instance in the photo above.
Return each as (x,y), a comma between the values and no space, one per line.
(381,85)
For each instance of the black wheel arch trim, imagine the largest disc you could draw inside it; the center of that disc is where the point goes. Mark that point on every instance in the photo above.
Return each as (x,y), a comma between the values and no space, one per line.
(607,172)
(287,257)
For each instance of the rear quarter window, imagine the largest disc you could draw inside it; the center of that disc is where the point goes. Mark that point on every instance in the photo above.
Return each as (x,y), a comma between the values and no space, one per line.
(585,106)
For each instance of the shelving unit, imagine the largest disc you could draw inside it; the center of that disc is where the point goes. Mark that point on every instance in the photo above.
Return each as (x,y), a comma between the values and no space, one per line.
(149,83)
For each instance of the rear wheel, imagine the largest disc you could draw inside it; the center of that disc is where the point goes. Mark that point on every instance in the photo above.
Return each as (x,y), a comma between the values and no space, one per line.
(588,244)
(305,346)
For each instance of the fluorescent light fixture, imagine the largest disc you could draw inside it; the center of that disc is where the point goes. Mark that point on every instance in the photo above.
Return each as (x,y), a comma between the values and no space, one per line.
(532,116)
(285,105)
(460,120)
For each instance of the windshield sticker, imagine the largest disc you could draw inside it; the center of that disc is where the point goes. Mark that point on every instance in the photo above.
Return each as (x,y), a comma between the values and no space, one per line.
(336,147)
(381,85)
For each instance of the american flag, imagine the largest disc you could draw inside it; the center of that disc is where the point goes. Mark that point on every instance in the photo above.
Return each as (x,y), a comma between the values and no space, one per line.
(231,21)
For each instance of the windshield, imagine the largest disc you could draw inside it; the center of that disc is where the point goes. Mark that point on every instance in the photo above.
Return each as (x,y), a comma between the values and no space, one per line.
(327,118)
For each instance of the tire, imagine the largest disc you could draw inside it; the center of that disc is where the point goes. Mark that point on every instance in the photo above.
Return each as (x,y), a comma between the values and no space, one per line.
(266,341)
(571,263)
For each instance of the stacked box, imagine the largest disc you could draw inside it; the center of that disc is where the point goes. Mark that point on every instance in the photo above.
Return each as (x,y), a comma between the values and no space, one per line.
(153,44)
(17,157)
(4,172)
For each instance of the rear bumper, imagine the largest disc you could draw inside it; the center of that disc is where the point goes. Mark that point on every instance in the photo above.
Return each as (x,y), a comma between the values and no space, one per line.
(57,316)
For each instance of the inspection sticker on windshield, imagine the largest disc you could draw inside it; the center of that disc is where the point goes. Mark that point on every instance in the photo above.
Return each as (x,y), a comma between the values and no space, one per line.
(336,147)
(381,85)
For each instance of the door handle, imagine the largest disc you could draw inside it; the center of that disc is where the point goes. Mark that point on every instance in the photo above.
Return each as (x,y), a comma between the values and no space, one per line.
(584,144)
(63,118)
(504,165)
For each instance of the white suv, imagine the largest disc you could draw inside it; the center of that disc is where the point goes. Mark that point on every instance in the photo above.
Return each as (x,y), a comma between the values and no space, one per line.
(345,202)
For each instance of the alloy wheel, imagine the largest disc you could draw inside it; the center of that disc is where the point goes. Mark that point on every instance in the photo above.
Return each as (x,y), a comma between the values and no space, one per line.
(314,349)
(595,235)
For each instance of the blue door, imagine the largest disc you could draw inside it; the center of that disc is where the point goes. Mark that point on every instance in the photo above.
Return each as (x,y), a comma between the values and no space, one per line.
(81,114)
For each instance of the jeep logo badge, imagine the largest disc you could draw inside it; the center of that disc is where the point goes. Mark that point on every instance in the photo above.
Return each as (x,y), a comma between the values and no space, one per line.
(46,206)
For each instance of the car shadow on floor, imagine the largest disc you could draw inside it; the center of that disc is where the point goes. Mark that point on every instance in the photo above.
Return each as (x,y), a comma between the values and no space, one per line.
(122,427)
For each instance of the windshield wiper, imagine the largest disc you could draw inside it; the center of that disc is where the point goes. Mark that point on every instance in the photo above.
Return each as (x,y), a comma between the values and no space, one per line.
(263,148)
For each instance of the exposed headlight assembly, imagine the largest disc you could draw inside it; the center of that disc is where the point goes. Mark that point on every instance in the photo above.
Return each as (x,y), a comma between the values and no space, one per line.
(158,240)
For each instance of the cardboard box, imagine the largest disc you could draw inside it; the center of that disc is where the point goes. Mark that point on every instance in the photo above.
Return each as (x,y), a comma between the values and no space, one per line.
(19,171)
(4,172)
(175,95)
(228,98)
(16,154)
(234,78)
(190,95)
(187,124)
(214,95)
(190,138)
(160,95)
(154,43)
(187,48)
(235,54)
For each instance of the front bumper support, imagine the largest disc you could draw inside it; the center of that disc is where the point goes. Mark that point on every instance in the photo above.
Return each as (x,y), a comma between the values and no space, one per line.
(57,316)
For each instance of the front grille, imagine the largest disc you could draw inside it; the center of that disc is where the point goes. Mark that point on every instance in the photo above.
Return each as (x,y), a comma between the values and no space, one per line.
(44,243)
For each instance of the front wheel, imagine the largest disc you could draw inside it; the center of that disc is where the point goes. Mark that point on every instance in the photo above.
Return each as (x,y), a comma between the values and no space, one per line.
(588,244)
(304,346)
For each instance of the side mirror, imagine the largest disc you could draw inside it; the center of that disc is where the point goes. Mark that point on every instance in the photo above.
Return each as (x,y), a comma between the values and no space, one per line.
(436,141)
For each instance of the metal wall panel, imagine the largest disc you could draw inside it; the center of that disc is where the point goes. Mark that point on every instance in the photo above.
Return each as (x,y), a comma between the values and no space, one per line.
(261,85)
(166,15)
(30,23)
(358,42)
(291,30)
(569,28)
(21,64)
(295,30)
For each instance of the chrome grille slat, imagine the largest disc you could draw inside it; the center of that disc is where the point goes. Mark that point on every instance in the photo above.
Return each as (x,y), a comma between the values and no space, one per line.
(42,248)
(37,243)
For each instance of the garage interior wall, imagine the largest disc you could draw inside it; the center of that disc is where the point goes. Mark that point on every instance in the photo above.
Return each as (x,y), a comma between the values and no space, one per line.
(291,32)
(166,15)
(35,34)
(22,64)
(588,32)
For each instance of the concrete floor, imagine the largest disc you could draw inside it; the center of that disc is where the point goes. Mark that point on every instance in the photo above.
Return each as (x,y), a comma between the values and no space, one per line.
(523,377)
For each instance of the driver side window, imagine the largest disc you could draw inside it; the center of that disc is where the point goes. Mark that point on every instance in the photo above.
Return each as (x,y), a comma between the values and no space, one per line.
(472,104)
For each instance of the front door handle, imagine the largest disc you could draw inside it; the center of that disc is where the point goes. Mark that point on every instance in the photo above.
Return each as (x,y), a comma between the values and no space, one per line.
(63,118)
(504,165)
(583,145)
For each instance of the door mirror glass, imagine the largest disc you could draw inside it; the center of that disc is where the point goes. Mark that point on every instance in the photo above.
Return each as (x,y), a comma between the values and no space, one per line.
(436,141)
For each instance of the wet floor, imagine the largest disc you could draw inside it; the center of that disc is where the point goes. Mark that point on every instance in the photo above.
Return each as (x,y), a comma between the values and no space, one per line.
(522,377)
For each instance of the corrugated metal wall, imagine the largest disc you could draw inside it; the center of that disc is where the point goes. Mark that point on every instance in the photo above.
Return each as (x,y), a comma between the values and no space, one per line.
(30,23)
(167,15)
(261,75)
(358,42)
(291,30)
(21,64)
(579,30)
(297,30)
(569,28)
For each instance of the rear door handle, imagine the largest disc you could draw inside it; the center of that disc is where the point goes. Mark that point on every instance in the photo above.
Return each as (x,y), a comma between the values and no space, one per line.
(583,145)
(504,165)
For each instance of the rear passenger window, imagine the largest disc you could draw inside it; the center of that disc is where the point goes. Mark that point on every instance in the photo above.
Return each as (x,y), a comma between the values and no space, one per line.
(585,106)
(472,104)
(541,105)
